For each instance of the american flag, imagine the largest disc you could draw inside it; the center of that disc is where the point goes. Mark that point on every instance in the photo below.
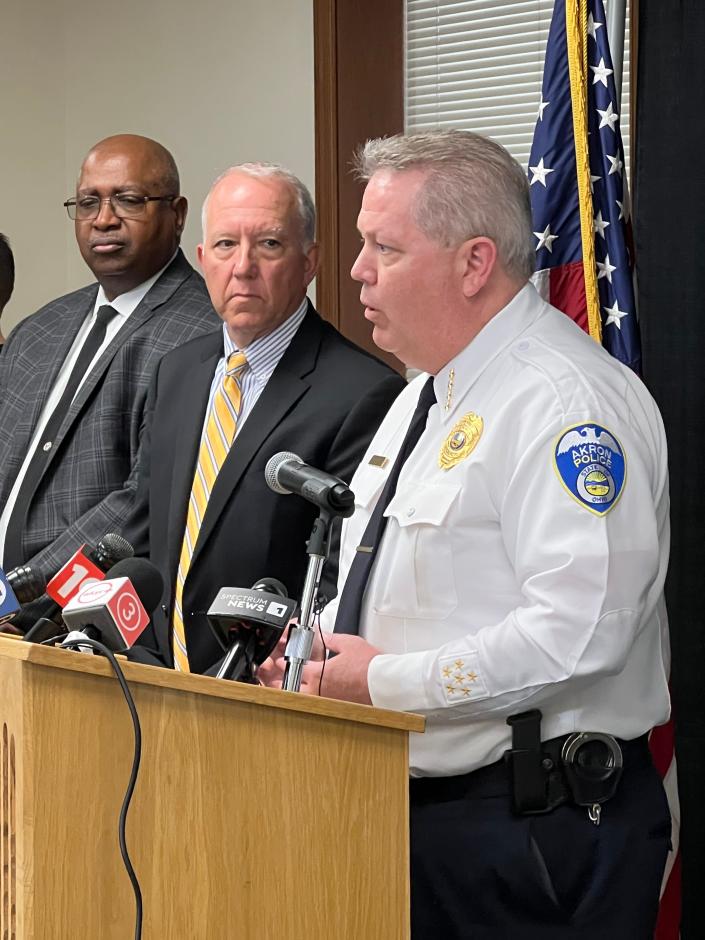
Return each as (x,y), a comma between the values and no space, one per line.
(579,196)
(584,258)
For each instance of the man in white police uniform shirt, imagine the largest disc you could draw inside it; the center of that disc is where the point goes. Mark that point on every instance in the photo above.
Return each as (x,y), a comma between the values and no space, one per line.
(521,567)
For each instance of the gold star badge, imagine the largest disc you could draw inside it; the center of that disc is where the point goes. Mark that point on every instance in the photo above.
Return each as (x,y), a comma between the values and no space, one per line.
(461,441)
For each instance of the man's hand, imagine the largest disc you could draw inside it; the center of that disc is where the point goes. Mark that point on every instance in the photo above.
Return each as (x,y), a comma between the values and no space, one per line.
(345,675)
(271,672)
(9,628)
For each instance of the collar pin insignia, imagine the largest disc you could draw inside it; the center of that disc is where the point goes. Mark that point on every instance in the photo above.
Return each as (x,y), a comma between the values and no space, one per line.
(449,393)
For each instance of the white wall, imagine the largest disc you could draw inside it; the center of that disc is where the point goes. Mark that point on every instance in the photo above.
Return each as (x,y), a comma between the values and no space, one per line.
(217,82)
(32,168)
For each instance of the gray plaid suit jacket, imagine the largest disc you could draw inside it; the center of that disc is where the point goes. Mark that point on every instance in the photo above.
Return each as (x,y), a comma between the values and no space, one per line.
(88,487)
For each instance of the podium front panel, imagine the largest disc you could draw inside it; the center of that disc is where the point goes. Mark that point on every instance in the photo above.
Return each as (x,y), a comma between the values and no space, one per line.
(248,821)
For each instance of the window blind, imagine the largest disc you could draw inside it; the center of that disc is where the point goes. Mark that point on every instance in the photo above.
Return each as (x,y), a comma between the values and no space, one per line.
(478,64)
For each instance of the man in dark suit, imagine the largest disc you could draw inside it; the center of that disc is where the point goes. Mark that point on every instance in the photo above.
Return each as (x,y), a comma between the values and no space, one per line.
(295,384)
(74,376)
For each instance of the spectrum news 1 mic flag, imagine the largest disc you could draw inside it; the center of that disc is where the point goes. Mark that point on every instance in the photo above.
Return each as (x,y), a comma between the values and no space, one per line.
(584,252)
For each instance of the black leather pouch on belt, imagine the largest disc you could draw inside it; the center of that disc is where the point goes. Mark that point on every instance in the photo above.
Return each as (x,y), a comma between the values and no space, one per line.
(582,768)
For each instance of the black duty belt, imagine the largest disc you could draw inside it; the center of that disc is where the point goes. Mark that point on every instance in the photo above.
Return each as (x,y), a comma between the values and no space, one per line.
(543,778)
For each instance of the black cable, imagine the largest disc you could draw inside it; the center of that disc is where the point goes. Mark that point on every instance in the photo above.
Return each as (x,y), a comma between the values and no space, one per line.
(94,644)
(325,648)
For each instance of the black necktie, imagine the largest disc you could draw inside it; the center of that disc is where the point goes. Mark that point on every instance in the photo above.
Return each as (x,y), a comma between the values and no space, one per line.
(348,617)
(13,554)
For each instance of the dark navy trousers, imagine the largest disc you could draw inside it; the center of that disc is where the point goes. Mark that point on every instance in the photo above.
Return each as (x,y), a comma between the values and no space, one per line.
(478,872)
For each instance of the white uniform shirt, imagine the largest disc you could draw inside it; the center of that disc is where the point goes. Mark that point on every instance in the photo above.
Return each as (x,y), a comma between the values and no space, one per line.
(495,590)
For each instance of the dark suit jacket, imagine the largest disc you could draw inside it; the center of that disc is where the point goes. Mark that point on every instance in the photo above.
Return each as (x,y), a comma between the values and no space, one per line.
(324,401)
(89,486)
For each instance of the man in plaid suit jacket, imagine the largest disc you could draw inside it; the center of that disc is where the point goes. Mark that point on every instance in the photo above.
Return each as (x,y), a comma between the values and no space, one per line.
(131,186)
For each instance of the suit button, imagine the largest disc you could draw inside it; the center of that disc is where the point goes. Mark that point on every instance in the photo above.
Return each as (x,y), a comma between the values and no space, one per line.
(46,446)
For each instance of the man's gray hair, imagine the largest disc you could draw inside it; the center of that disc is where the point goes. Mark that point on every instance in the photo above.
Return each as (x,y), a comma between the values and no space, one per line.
(304,203)
(473,187)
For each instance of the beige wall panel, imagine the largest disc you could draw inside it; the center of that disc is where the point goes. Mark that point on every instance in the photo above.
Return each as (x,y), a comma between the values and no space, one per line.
(218,82)
(32,169)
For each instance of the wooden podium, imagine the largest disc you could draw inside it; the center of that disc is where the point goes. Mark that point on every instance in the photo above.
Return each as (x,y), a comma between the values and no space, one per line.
(258,813)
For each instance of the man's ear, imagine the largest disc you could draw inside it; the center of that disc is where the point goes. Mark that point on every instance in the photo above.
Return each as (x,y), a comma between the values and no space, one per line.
(312,256)
(180,207)
(477,258)
(199,255)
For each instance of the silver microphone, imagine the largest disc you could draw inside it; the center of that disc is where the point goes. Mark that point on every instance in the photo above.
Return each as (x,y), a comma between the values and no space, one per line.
(287,473)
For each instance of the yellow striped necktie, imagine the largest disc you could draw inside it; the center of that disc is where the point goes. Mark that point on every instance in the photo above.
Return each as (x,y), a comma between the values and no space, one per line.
(215,445)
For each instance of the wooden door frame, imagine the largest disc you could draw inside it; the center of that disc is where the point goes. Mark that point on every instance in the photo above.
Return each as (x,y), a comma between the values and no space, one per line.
(359,93)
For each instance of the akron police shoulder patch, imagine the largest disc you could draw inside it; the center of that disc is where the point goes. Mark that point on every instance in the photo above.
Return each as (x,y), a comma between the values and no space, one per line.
(591,466)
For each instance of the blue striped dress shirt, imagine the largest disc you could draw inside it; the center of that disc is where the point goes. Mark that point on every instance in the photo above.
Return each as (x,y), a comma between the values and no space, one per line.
(263,356)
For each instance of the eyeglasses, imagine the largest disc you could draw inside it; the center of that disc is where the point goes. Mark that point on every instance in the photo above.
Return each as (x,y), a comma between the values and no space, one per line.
(124,205)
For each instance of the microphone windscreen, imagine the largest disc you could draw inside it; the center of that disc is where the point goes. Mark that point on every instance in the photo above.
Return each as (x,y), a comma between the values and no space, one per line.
(111,549)
(145,578)
(273,585)
(271,471)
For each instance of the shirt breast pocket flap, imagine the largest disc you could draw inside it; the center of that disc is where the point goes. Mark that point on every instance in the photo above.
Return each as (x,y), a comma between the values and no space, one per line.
(416,577)
(422,503)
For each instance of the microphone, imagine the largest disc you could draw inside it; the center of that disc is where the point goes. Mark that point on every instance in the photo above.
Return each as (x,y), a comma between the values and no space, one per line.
(113,610)
(9,605)
(87,565)
(27,583)
(247,622)
(146,578)
(287,473)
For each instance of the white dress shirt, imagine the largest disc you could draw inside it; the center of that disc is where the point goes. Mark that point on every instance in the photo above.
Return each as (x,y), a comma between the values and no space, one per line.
(494,589)
(125,305)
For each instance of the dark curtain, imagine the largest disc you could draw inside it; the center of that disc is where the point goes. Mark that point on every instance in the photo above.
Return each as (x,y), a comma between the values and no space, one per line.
(669,220)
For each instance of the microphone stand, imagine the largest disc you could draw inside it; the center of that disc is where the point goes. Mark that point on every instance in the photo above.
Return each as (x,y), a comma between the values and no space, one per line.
(73,638)
(44,629)
(300,641)
(239,661)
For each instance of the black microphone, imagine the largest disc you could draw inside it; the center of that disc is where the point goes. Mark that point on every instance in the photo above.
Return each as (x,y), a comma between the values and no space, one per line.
(287,473)
(146,578)
(111,550)
(27,583)
(113,610)
(247,622)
